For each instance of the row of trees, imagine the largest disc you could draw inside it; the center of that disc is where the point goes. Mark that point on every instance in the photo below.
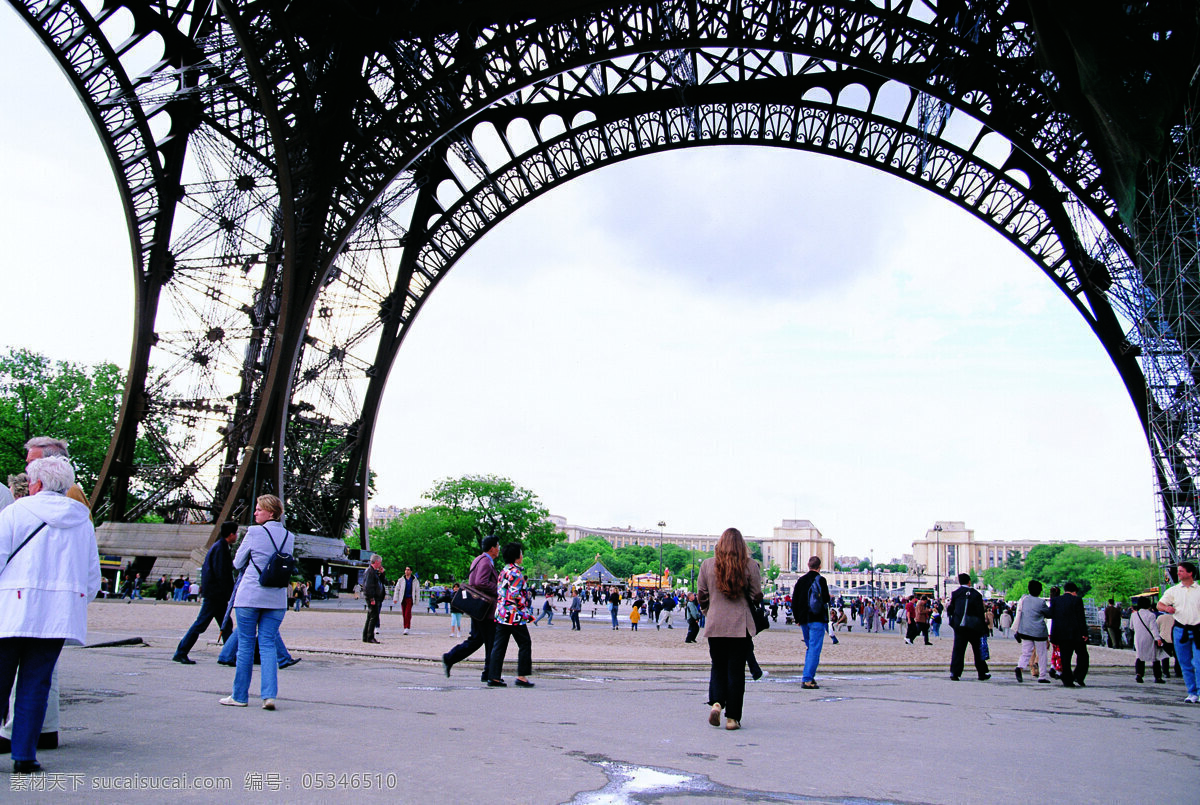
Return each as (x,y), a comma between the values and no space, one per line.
(1097,575)
(443,536)
(70,401)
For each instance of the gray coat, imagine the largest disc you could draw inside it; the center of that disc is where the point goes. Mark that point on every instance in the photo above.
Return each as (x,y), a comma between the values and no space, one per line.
(1031,617)
(252,556)
(727,617)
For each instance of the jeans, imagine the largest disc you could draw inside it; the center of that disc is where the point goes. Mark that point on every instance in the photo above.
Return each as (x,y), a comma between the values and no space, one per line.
(259,626)
(727,677)
(29,662)
(814,638)
(209,609)
(519,633)
(612,608)
(229,650)
(483,633)
(545,613)
(936,627)
(1185,658)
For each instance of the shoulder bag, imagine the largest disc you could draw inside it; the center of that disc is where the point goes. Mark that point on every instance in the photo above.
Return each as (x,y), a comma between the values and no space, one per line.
(761,622)
(972,623)
(17,550)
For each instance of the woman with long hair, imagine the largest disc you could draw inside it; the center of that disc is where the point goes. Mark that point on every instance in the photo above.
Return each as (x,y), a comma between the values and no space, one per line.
(729,583)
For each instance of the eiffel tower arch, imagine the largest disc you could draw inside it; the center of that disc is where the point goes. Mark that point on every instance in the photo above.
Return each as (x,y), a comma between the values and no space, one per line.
(298,178)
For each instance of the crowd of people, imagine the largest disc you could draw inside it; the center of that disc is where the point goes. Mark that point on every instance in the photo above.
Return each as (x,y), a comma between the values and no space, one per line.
(248,593)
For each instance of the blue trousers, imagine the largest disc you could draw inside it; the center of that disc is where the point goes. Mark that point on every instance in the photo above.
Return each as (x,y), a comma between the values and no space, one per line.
(814,639)
(29,662)
(230,649)
(1185,655)
(259,626)
(209,610)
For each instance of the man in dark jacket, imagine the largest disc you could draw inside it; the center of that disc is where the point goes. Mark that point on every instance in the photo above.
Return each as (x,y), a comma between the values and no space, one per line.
(373,592)
(966,601)
(1069,631)
(216,585)
(810,609)
(482,579)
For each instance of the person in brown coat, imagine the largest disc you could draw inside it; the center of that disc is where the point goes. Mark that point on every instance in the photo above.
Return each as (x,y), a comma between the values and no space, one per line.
(729,583)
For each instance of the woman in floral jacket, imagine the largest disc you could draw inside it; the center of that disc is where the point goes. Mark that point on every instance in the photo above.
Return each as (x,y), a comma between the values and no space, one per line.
(514,610)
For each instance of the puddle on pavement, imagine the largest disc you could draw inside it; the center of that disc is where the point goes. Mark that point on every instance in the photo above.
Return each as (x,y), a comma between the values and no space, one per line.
(644,785)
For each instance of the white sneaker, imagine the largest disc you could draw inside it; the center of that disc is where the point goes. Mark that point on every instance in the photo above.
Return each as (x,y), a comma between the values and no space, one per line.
(1192,699)
(405,631)
(229,701)
(268,704)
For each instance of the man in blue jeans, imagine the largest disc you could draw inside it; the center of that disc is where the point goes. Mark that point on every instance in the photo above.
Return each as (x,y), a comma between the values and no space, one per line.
(810,609)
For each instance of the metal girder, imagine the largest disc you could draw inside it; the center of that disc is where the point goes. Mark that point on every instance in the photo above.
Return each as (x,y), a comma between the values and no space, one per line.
(320,173)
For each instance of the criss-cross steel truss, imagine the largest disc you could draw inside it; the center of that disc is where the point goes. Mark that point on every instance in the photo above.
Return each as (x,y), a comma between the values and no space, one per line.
(299,176)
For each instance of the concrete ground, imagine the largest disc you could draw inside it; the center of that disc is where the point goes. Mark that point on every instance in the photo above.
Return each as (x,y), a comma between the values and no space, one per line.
(616,717)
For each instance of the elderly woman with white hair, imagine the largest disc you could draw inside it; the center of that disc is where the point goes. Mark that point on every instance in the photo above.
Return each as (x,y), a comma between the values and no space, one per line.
(49,571)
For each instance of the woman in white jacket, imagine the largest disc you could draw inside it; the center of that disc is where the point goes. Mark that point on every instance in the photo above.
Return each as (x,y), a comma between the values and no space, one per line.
(49,571)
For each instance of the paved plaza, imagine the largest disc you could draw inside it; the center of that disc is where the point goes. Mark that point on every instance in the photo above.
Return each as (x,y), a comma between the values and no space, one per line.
(616,717)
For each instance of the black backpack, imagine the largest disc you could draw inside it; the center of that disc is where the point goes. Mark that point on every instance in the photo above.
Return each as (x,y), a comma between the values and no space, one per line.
(280,567)
(815,603)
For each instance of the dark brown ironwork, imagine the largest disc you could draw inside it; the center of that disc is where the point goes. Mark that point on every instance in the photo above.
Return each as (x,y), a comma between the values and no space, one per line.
(299,176)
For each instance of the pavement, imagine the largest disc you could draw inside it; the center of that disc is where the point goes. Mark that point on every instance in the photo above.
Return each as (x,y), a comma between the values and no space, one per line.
(616,717)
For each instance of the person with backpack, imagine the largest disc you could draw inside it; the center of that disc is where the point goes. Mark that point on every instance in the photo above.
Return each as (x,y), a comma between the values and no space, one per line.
(266,561)
(810,608)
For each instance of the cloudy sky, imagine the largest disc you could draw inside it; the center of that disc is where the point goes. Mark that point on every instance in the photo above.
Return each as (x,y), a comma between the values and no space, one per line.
(713,337)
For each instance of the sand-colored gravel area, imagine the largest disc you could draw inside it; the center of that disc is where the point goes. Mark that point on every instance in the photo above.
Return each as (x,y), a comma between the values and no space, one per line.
(337,631)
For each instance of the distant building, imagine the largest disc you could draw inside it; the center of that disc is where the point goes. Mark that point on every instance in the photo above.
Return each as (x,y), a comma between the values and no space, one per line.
(950,548)
(382,515)
(623,537)
(947,549)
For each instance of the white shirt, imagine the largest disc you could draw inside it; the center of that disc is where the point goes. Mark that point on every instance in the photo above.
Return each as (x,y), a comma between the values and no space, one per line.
(1186,601)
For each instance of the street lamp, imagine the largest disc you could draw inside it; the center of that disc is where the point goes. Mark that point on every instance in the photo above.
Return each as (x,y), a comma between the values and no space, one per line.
(937,533)
(661,525)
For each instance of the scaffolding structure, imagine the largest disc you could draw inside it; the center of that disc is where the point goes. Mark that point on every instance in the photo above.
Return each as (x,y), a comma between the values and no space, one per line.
(1169,329)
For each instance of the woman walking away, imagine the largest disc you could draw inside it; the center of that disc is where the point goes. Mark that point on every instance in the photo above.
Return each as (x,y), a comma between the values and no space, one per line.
(259,609)
(1147,642)
(729,584)
(514,611)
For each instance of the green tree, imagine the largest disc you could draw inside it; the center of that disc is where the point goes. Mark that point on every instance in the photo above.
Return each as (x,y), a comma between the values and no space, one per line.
(1039,558)
(489,504)
(427,541)
(1002,578)
(65,400)
(1073,563)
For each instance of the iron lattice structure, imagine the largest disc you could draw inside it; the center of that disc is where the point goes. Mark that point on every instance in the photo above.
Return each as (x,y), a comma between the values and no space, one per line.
(299,176)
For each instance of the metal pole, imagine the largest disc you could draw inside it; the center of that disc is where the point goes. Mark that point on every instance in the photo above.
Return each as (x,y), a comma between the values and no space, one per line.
(937,533)
(661,525)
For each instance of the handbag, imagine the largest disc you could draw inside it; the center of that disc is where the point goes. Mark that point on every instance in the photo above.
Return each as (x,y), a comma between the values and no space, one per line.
(473,603)
(761,622)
